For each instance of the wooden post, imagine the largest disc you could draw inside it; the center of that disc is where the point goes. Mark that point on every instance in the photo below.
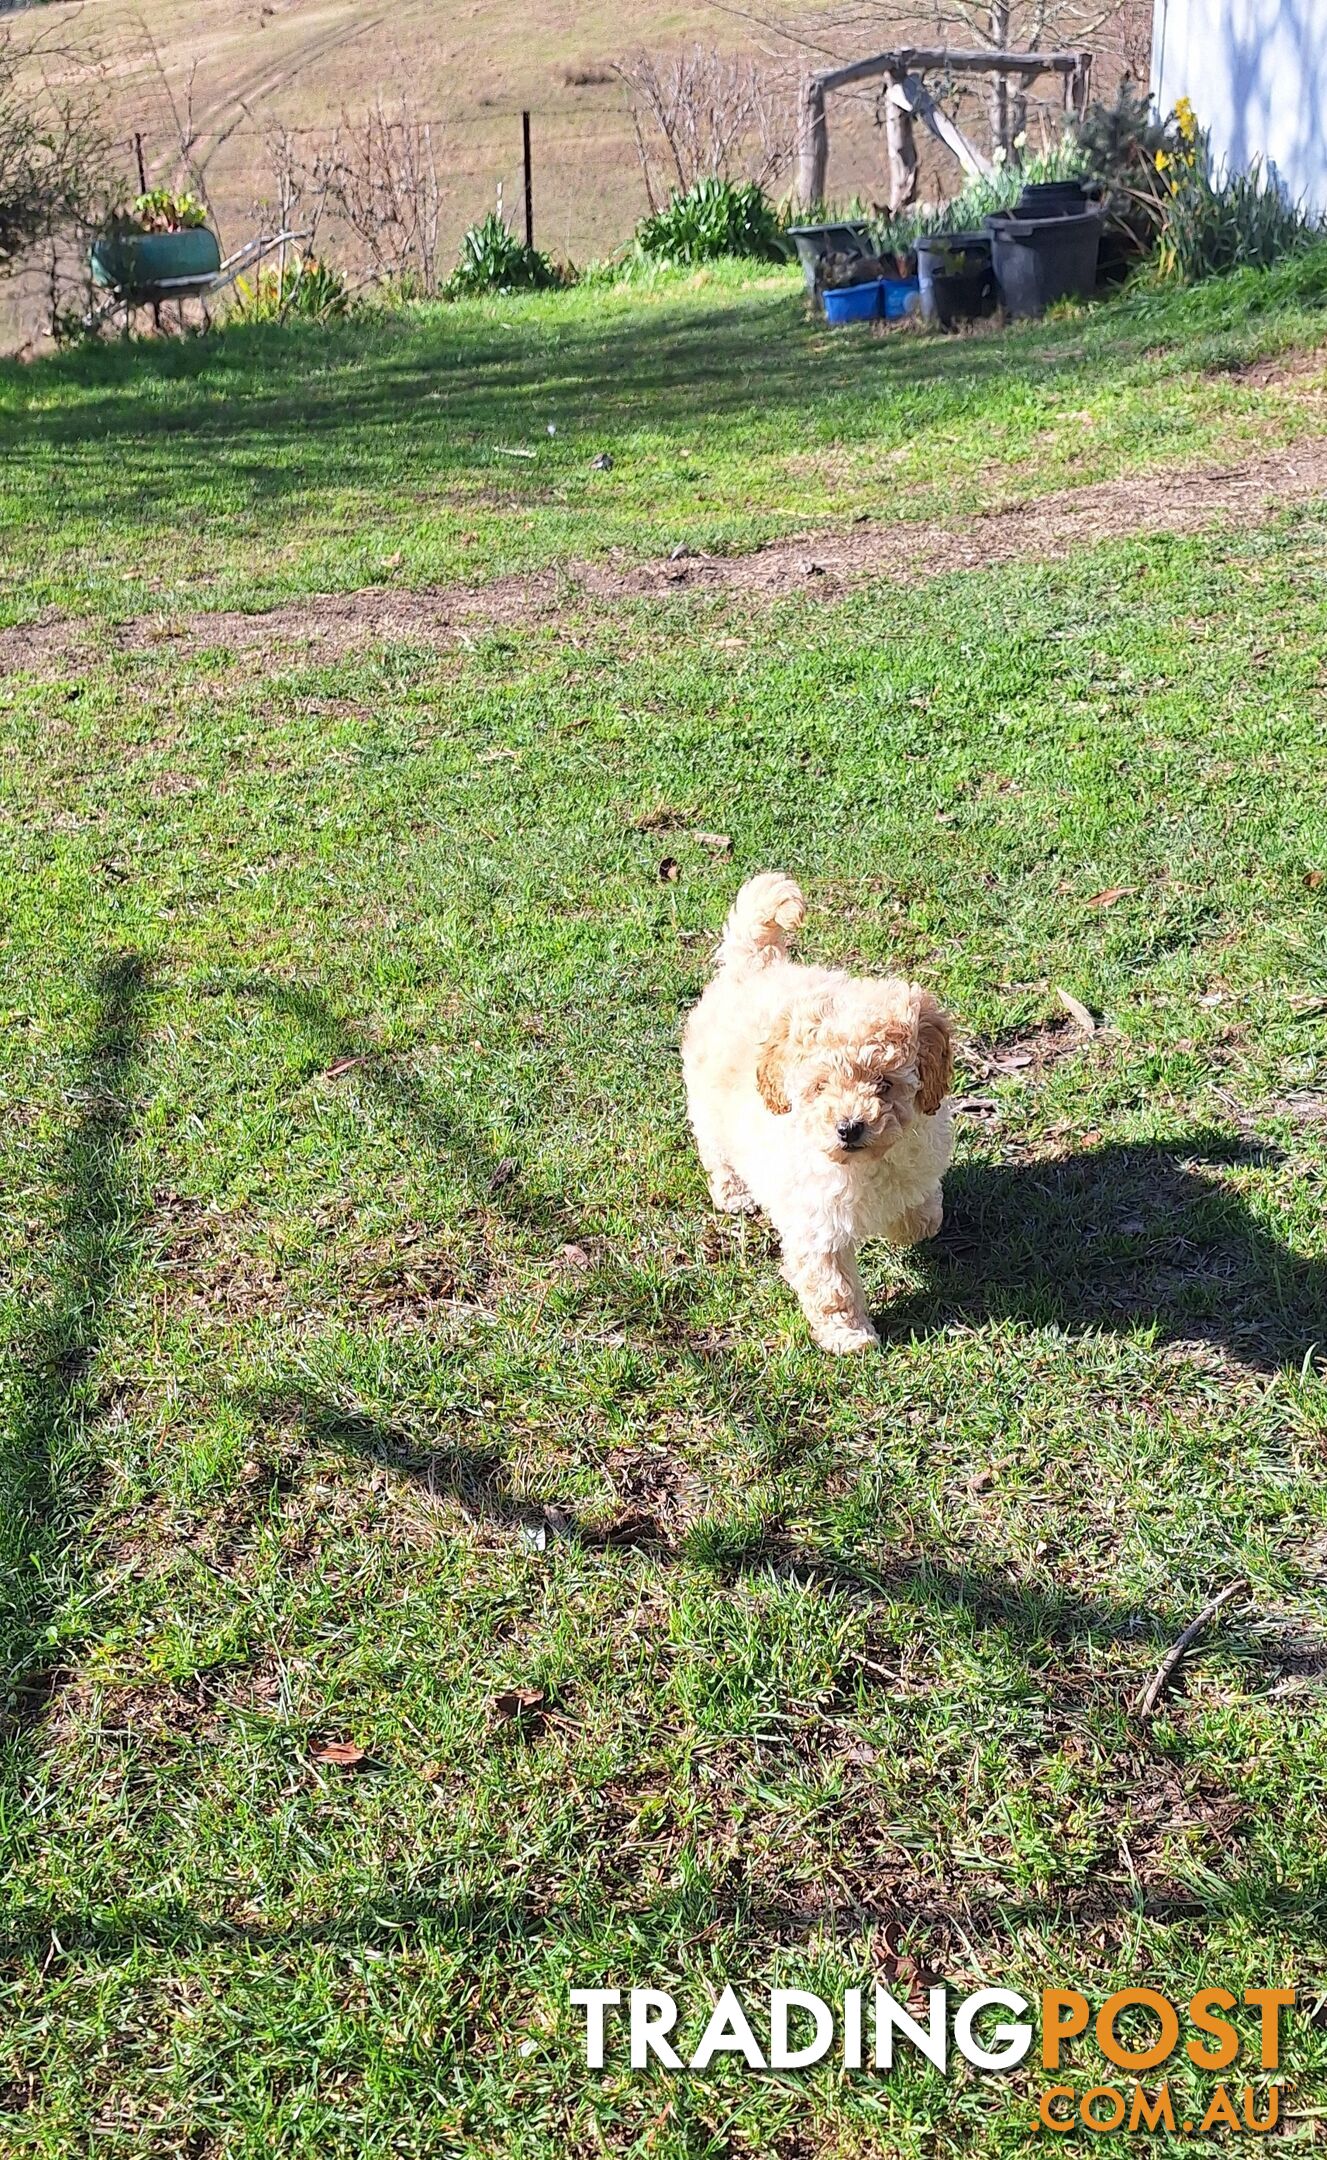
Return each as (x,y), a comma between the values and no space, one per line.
(901,142)
(913,94)
(1079,85)
(529,180)
(812,148)
(142,169)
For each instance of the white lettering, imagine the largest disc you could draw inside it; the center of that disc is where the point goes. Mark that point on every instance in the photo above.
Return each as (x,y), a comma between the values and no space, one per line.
(1017,2038)
(595,2001)
(782,2056)
(728,2034)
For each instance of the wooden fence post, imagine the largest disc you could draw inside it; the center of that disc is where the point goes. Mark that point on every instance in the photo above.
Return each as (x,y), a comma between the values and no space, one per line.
(812,148)
(529,180)
(901,143)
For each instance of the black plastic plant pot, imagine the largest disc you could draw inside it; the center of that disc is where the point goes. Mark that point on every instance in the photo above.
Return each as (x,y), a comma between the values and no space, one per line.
(1052,198)
(1040,260)
(849,237)
(957,279)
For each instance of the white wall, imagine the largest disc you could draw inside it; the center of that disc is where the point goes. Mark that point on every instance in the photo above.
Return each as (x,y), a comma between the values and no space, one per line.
(1256,73)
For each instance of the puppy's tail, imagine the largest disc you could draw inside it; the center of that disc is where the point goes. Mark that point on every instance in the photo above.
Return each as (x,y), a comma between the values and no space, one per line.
(763,921)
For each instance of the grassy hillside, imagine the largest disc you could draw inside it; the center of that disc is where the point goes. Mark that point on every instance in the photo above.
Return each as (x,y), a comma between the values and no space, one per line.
(238,71)
(436,1570)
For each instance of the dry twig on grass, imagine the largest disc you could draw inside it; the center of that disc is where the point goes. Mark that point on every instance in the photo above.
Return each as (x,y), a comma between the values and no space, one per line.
(1151,1694)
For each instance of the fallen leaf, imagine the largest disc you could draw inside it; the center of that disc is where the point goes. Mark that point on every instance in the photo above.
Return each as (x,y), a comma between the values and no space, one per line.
(680,552)
(718,843)
(344,1753)
(1014,1062)
(517,1702)
(491,757)
(504,1173)
(1314,878)
(669,873)
(602,463)
(575,1256)
(1212,997)
(1077,1011)
(976,1106)
(1109,897)
(1133,1227)
(344,1065)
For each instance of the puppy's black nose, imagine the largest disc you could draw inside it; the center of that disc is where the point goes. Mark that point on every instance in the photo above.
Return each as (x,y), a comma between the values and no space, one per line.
(850,1130)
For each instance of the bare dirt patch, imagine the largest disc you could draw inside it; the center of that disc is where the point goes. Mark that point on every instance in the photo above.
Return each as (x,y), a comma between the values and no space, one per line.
(1282,371)
(327,625)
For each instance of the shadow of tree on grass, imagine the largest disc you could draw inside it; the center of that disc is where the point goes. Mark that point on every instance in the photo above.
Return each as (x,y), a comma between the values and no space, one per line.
(50,1469)
(1123,1237)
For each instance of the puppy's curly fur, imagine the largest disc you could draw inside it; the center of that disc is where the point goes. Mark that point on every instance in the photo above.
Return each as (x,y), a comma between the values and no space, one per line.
(819,1098)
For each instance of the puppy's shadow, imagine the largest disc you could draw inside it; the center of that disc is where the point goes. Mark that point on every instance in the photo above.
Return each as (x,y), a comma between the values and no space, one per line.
(1128,1237)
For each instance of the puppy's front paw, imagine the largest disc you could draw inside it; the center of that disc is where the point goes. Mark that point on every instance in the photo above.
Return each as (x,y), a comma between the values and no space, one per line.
(918,1223)
(730,1195)
(842,1339)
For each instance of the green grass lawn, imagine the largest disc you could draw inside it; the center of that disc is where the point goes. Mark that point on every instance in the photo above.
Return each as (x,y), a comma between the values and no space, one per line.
(371,1351)
(417,448)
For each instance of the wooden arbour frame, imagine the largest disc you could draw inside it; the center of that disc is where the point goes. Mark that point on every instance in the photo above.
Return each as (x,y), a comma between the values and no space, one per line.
(906,98)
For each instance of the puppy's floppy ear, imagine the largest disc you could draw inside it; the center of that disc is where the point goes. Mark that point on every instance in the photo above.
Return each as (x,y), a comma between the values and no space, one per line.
(935,1053)
(770,1063)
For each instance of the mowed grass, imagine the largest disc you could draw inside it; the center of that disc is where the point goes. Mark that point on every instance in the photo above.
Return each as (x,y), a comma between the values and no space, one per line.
(460,443)
(372,1352)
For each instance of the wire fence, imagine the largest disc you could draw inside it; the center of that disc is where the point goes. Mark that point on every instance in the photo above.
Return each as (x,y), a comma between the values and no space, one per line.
(588,187)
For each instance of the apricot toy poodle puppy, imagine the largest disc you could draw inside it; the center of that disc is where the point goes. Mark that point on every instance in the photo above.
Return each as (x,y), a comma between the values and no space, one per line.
(818,1098)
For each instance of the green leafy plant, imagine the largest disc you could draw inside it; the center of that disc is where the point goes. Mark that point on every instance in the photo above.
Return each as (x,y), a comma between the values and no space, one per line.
(1166,197)
(1211,220)
(494,260)
(985,193)
(306,287)
(712,219)
(1063,160)
(1129,148)
(1230,221)
(163,210)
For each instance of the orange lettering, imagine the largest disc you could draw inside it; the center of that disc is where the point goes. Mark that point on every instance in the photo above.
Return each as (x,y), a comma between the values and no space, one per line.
(1273,2115)
(1044,2115)
(1271,2002)
(1221,2109)
(1137,2058)
(1095,2122)
(1152,2114)
(1055,2028)
(1200,2010)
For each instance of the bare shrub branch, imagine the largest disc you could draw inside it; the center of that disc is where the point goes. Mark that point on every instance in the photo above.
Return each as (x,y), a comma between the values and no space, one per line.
(56,169)
(700,114)
(377,179)
(382,180)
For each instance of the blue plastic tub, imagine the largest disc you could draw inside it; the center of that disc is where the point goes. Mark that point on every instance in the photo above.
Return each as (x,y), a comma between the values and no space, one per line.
(903,296)
(856,303)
